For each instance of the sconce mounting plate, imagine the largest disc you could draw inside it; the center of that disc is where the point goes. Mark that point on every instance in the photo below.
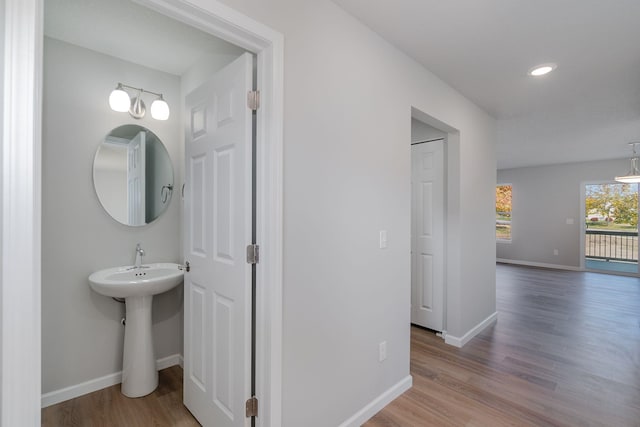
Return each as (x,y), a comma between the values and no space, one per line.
(138,109)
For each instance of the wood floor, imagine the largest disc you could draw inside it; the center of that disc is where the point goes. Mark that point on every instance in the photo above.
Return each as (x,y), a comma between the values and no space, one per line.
(109,408)
(564,352)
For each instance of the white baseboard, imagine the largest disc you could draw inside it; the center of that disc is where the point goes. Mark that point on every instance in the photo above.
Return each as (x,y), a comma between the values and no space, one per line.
(378,403)
(460,341)
(96,384)
(539,264)
(169,361)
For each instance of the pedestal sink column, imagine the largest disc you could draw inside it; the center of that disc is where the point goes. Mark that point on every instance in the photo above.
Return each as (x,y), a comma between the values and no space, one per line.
(139,373)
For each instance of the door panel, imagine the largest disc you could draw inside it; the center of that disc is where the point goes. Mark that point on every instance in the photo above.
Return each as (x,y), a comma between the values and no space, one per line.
(223,353)
(197,357)
(197,222)
(218,215)
(427,235)
(426,270)
(224,206)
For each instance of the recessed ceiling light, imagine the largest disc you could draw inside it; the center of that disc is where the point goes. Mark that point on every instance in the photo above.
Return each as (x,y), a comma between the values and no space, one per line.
(542,69)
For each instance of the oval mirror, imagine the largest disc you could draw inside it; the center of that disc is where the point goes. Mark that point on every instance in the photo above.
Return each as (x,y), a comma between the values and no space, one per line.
(132,175)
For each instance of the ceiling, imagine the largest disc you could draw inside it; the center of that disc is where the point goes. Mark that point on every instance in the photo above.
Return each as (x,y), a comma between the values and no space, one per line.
(587,109)
(131,32)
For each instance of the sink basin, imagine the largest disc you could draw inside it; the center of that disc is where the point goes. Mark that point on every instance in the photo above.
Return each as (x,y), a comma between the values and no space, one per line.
(137,286)
(124,282)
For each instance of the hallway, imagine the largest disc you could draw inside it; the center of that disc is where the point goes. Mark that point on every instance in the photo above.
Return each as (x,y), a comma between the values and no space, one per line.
(565,351)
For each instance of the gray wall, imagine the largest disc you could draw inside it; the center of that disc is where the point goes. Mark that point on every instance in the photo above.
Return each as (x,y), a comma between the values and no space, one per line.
(158,175)
(544,197)
(347,103)
(81,332)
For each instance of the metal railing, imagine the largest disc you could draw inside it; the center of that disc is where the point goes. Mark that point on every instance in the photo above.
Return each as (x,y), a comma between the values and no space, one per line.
(611,245)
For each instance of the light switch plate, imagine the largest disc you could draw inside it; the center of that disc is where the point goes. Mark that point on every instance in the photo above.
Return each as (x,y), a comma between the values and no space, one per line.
(382,351)
(383,239)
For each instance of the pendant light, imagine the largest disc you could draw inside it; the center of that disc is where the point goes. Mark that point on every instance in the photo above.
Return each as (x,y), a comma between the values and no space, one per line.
(633,176)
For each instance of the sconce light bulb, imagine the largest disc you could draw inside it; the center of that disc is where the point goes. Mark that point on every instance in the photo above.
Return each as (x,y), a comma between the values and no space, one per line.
(160,109)
(119,100)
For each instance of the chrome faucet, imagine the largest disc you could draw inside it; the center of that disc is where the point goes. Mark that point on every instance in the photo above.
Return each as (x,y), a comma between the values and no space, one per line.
(139,255)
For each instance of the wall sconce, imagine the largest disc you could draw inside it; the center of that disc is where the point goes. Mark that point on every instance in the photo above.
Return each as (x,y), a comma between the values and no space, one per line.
(120,101)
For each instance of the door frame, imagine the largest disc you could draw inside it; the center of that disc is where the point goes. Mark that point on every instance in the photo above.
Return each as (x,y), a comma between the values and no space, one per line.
(451,273)
(20,351)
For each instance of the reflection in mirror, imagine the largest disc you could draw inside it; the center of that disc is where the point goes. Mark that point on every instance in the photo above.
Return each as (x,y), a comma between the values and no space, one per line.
(132,175)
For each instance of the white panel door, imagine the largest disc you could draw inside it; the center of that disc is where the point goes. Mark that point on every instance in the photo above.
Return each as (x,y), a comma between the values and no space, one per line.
(427,234)
(218,215)
(136,191)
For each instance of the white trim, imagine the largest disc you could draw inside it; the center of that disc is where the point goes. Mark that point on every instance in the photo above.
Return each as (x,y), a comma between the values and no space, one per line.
(564,267)
(538,264)
(96,384)
(222,21)
(378,403)
(169,361)
(459,342)
(21,209)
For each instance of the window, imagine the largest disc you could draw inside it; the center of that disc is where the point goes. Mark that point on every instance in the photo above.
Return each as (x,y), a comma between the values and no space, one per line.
(611,227)
(503,212)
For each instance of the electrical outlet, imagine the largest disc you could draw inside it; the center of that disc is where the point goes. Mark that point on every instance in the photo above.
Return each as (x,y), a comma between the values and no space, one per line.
(382,351)
(555,252)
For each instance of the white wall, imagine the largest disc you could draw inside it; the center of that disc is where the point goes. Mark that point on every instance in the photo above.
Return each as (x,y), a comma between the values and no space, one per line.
(2,36)
(421,132)
(348,98)
(202,70)
(81,332)
(544,197)
(160,174)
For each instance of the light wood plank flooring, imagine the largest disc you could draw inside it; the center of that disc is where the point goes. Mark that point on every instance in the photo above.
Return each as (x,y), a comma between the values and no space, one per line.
(109,408)
(564,352)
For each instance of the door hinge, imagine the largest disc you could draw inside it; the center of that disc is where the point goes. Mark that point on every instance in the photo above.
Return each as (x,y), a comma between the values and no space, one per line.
(186,267)
(253,100)
(251,407)
(253,254)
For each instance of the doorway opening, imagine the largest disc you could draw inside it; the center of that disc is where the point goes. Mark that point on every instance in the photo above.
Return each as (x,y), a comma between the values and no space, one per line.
(23,129)
(611,227)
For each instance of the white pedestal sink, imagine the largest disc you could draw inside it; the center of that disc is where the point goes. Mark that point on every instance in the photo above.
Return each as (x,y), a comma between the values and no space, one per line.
(137,286)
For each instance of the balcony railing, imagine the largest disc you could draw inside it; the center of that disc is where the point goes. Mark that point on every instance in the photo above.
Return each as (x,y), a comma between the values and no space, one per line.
(611,245)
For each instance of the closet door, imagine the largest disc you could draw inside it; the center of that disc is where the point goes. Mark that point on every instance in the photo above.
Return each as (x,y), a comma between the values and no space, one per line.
(427,234)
